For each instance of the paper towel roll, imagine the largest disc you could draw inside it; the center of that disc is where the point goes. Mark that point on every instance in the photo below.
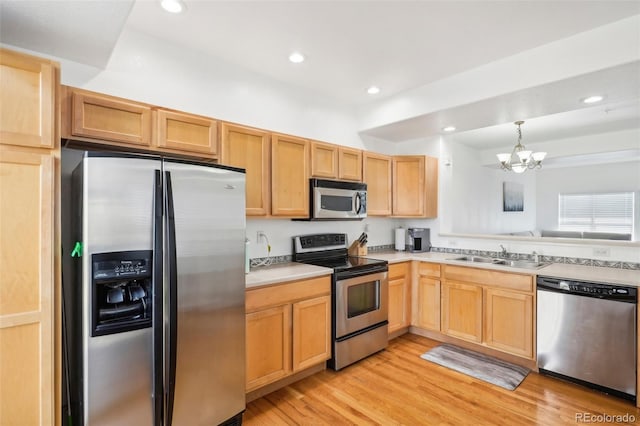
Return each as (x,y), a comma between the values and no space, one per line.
(400,233)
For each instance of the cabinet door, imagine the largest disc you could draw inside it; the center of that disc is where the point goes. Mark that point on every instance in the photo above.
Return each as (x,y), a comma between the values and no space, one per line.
(409,185)
(376,172)
(112,119)
(26,287)
(462,311)
(428,303)
(431,187)
(187,133)
(350,164)
(399,297)
(289,176)
(324,160)
(311,332)
(249,149)
(509,321)
(268,341)
(27,95)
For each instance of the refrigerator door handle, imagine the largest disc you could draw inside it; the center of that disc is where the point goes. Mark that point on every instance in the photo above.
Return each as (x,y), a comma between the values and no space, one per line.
(158,323)
(173,297)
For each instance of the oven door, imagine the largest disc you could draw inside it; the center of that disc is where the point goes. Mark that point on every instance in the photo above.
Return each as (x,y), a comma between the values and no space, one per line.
(361,302)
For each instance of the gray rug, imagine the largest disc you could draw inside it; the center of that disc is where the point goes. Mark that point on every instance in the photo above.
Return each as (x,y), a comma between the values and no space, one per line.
(492,370)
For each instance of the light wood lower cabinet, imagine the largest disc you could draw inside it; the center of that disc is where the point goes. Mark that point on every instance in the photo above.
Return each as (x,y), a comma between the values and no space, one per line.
(311,332)
(490,307)
(428,294)
(462,311)
(268,345)
(288,329)
(399,296)
(509,321)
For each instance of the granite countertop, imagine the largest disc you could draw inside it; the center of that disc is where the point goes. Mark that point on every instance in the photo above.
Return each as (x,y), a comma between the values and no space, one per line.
(296,271)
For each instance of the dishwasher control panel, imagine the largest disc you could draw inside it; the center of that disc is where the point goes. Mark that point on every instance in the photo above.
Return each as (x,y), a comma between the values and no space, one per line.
(585,288)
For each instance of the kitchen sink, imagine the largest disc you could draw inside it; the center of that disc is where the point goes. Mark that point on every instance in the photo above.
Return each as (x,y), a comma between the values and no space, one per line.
(478,259)
(526,264)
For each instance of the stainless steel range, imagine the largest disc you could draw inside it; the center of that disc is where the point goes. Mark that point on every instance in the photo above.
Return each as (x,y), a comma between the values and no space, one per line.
(359,296)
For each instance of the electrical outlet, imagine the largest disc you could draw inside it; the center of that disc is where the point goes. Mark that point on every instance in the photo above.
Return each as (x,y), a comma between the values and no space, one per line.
(453,243)
(258,235)
(604,252)
(366,227)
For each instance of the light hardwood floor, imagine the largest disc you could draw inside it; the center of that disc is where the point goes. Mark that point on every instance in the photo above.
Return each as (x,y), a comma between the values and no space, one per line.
(397,387)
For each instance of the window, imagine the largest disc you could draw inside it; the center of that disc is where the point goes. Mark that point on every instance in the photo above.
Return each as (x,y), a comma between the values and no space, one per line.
(604,212)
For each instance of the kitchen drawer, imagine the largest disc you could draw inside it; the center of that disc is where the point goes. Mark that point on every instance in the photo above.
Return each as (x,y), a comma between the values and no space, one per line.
(398,270)
(275,295)
(428,269)
(491,278)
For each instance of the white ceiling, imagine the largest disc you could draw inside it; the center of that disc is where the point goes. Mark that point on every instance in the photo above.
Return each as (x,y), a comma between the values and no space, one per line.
(396,45)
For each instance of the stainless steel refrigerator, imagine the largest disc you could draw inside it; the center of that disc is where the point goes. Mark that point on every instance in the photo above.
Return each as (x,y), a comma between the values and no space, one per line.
(160,311)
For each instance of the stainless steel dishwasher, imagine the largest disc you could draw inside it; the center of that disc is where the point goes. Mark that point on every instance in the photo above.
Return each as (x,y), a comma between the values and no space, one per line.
(587,334)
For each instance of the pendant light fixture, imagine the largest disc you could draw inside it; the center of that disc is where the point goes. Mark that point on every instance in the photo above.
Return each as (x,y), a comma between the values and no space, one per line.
(520,159)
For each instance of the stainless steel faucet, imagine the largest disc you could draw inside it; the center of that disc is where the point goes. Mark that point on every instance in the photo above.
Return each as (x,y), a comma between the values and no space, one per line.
(503,253)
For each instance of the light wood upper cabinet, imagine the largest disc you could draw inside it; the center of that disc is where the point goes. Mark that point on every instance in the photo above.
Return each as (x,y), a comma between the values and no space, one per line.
(509,321)
(107,118)
(186,133)
(350,164)
(289,176)
(28,98)
(415,186)
(288,329)
(399,296)
(324,160)
(376,171)
(249,149)
(27,287)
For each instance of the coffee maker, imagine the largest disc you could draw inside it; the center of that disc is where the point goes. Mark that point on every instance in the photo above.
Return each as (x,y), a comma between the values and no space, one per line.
(419,239)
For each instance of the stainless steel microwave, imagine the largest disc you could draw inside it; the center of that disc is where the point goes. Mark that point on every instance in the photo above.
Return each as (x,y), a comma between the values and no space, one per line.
(336,200)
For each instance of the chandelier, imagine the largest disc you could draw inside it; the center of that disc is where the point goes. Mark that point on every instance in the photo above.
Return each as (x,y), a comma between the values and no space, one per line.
(520,159)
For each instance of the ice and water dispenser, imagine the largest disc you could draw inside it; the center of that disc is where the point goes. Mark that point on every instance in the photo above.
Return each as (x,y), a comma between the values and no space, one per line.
(121,291)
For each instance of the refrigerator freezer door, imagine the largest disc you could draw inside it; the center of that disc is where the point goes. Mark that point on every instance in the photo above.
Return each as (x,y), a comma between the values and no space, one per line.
(117,214)
(209,215)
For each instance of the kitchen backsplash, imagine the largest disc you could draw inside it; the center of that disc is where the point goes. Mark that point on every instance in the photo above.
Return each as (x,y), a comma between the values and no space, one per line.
(273,260)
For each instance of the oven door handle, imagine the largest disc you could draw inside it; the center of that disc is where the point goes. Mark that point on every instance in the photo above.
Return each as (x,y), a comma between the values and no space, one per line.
(378,276)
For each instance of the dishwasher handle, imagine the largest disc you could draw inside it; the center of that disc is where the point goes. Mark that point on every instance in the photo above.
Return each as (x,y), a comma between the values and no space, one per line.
(587,289)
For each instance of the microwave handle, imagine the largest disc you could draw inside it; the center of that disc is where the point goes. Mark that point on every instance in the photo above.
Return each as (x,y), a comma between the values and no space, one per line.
(358,203)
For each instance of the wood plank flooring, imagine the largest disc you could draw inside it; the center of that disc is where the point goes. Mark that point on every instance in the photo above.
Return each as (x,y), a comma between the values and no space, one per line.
(397,387)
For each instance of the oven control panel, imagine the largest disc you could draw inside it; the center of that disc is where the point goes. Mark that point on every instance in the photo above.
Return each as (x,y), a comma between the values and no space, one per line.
(319,242)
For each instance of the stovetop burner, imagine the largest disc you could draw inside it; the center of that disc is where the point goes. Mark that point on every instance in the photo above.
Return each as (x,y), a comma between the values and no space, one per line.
(330,251)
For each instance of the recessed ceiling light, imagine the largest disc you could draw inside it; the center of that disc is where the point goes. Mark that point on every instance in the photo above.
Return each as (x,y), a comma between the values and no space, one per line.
(173,6)
(373,90)
(296,57)
(449,129)
(593,99)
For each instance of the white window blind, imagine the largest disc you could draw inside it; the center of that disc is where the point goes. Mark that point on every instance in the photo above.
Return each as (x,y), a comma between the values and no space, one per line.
(604,212)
